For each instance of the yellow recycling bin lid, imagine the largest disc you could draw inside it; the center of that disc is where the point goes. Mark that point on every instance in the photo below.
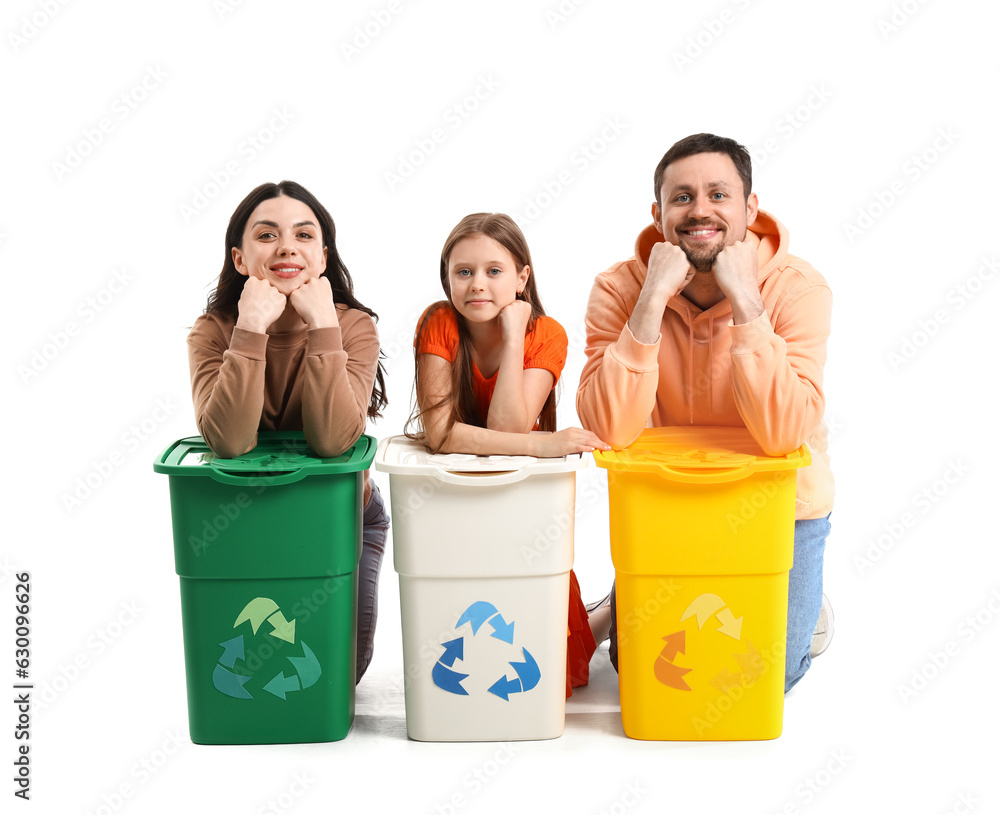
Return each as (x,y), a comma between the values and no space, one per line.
(699,455)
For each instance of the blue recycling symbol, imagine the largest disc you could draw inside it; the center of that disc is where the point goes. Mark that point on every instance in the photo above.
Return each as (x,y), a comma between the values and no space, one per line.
(479,613)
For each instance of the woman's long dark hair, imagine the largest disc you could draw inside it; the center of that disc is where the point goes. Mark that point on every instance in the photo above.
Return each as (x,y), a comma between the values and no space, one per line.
(463,407)
(226,296)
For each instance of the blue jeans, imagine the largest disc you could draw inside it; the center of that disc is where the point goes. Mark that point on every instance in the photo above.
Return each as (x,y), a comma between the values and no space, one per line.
(805,597)
(373,535)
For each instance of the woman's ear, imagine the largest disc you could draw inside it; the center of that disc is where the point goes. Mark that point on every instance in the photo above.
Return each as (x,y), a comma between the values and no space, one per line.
(241,267)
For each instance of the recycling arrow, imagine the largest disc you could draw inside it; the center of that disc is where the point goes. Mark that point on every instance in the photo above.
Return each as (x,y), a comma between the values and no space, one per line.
(731,626)
(527,671)
(283,629)
(229,683)
(528,675)
(504,687)
(256,611)
(307,667)
(453,649)
(448,680)
(282,684)
(674,645)
(669,674)
(502,630)
(703,606)
(477,614)
(233,652)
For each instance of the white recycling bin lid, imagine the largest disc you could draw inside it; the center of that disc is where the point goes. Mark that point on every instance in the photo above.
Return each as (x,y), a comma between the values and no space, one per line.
(399,455)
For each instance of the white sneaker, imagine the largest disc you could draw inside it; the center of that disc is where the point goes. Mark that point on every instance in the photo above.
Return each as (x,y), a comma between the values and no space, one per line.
(824,629)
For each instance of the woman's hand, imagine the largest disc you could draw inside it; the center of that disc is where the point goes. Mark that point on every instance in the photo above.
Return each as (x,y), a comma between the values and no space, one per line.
(313,301)
(565,442)
(514,319)
(259,306)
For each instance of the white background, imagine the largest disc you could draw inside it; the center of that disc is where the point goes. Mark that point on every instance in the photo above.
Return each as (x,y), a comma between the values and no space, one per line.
(876,116)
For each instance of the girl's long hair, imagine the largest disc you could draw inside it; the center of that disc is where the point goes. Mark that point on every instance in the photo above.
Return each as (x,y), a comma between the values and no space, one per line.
(461,402)
(226,296)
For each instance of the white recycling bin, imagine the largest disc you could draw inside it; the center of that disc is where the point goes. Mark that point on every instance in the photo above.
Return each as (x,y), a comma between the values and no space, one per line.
(483,546)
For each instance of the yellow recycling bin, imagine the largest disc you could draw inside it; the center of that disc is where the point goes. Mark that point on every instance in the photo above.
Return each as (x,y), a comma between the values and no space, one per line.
(702,535)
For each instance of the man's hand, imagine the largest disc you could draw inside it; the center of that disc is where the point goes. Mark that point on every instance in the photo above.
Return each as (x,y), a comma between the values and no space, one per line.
(735,272)
(668,272)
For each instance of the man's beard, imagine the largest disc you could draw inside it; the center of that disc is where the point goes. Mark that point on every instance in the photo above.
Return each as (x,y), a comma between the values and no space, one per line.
(703,261)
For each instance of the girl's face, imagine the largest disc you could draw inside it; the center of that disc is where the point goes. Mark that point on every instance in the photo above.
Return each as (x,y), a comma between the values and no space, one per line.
(282,244)
(483,278)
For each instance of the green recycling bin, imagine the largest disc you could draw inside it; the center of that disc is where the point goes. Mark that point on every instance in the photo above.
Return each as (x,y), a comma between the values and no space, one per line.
(266,547)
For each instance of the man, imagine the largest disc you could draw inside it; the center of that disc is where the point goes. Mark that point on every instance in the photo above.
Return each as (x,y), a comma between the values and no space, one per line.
(712,322)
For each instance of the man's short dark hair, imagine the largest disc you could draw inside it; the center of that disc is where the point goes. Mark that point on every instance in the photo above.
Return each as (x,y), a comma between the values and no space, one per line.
(706,143)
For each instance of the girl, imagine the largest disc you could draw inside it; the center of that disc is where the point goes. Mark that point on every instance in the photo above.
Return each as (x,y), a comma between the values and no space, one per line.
(487,361)
(284,345)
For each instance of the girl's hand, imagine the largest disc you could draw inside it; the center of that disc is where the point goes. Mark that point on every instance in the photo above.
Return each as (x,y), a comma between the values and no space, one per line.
(565,442)
(514,320)
(313,301)
(259,306)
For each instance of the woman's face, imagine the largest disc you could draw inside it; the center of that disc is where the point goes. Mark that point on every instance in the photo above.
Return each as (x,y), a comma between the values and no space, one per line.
(282,244)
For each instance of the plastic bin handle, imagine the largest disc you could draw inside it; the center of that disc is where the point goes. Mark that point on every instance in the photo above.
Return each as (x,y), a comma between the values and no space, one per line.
(707,476)
(256,478)
(480,480)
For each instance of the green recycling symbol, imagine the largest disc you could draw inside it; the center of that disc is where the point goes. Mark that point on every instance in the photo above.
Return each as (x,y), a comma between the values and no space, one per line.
(305,671)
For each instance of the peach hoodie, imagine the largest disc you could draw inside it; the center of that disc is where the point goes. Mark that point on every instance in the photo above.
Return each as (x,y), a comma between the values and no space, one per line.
(766,375)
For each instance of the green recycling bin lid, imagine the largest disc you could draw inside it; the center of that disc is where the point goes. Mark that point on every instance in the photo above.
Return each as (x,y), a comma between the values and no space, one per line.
(280,457)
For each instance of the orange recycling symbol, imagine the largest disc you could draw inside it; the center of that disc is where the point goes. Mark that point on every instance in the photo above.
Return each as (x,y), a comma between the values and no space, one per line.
(703,608)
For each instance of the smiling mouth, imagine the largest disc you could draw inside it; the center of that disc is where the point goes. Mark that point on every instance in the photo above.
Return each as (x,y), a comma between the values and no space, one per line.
(701,233)
(287,272)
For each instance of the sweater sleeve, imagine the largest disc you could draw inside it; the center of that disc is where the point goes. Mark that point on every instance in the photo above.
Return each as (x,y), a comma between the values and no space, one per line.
(340,367)
(778,370)
(617,390)
(227,384)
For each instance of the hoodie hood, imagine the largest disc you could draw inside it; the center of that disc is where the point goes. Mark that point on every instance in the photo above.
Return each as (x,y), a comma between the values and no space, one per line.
(766,231)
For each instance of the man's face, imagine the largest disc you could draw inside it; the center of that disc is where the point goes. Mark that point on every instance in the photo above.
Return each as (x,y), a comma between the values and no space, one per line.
(703,207)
